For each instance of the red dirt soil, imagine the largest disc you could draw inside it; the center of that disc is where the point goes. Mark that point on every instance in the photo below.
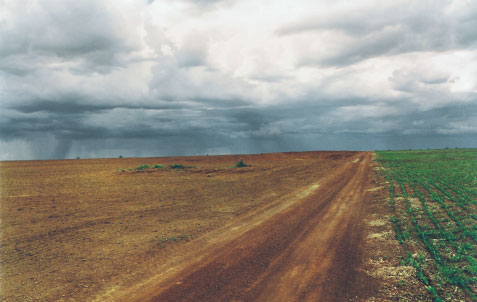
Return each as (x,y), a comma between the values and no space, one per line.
(306,252)
(288,228)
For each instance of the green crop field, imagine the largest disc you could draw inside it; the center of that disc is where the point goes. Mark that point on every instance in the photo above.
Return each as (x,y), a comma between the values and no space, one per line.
(433,198)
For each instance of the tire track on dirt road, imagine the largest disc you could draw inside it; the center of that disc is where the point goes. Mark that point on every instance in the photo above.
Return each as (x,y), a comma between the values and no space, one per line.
(307,252)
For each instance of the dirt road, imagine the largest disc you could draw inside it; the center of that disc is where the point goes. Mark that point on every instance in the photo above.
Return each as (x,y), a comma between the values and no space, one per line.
(307,251)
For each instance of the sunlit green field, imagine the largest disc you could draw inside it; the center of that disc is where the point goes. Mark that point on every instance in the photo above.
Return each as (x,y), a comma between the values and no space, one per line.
(433,197)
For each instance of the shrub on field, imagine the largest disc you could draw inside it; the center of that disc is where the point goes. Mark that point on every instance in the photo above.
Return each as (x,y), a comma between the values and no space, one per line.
(158,166)
(177,166)
(241,164)
(142,167)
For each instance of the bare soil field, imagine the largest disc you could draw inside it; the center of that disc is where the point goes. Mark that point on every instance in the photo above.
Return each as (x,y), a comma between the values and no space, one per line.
(305,226)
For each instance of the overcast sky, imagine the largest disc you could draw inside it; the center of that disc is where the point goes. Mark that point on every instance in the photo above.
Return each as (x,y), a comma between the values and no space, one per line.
(106,78)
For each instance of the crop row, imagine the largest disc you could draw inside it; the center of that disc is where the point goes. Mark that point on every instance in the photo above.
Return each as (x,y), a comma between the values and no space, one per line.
(432,199)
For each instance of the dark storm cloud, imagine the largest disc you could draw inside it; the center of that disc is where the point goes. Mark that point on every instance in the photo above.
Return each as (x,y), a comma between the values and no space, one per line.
(62,148)
(382,117)
(412,121)
(265,129)
(63,107)
(66,126)
(77,105)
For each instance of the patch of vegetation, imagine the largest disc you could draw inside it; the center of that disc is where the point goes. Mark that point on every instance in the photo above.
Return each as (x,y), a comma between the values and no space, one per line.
(241,164)
(401,283)
(180,167)
(177,166)
(143,167)
(156,166)
(434,216)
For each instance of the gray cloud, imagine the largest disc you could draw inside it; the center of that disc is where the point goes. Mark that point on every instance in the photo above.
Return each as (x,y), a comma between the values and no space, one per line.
(172,81)
(87,33)
(194,51)
(209,3)
(390,29)
(98,78)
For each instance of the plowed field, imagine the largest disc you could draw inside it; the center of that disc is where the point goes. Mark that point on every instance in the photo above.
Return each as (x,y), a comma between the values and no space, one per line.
(290,227)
